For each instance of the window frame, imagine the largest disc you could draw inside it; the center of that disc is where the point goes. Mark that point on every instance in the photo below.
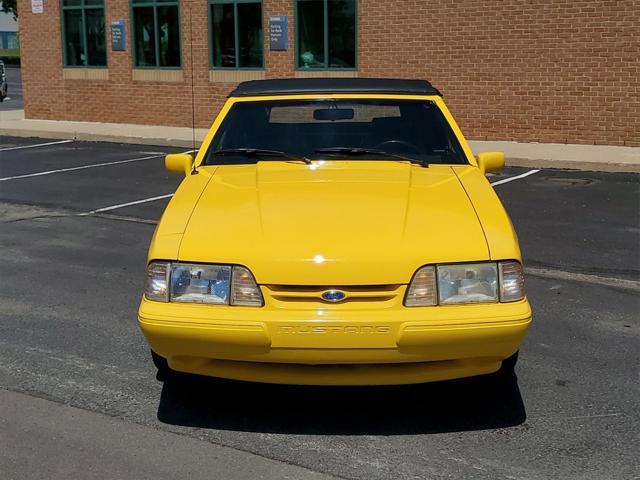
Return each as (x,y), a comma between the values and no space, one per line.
(83,7)
(451,130)
(153,4)
(236,39)
(326,67)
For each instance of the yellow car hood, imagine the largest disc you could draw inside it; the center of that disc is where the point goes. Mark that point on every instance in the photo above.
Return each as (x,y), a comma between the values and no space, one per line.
(332,223)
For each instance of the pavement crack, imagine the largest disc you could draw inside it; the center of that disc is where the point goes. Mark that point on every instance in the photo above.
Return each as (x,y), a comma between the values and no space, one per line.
(16,212)
(613,282)
(124,218)
(597,271)
(38,217)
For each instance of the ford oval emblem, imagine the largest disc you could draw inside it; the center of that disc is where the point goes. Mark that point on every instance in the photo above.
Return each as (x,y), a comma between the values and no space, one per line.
(333,296)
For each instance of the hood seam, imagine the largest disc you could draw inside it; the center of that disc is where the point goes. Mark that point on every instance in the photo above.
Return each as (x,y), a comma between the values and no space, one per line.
(484,233)
(195,205)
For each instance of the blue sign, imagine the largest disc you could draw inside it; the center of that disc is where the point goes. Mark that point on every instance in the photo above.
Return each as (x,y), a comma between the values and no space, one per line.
(118,36)
(278,32)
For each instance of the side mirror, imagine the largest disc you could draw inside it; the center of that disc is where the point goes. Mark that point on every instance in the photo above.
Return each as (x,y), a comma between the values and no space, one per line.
(179,163)
(490,161)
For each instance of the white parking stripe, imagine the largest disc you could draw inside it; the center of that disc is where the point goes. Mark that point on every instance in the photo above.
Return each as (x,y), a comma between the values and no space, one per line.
(82,167)
(160,197)
(128,204)
(511,179)
(34,146)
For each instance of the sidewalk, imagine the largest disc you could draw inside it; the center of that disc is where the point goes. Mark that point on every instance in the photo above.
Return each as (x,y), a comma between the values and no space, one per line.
(13,123)
(40,439)
(602,158)
(534,155)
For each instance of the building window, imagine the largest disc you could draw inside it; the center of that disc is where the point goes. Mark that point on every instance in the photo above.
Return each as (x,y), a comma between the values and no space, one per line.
(236,33)
(156,33)
(326,34)
(9,40)
(84,33)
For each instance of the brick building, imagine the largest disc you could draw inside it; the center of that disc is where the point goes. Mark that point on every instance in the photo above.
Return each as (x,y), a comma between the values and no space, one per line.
(527,70)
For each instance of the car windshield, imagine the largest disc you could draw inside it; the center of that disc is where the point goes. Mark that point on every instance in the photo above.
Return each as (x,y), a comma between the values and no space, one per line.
(413,130)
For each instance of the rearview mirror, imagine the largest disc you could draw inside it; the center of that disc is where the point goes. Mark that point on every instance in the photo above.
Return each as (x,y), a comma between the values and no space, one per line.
(179,163)
(333,114)
(490,161)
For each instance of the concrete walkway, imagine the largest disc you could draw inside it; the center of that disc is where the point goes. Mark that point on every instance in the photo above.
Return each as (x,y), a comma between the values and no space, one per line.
(40,439)
(13,123)
(557,155)
(534,155)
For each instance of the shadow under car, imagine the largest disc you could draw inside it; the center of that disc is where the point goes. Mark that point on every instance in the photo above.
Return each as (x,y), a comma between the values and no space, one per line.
(476,403)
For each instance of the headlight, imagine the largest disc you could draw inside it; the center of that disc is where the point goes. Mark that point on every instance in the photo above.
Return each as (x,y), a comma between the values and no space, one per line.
(202,283)
(468,283)
(484,282)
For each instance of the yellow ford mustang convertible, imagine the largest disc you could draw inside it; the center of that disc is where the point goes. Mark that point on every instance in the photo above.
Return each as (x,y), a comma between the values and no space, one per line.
(335,232)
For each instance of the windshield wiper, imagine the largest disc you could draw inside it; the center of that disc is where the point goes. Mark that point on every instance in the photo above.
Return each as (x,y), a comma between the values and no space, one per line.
(261,152)
(371,151)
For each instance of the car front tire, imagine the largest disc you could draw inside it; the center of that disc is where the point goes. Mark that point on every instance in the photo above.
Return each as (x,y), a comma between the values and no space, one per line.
(161,364)
(509,364)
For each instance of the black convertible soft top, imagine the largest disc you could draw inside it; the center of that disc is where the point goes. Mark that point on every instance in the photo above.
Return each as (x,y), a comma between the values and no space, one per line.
(289,86)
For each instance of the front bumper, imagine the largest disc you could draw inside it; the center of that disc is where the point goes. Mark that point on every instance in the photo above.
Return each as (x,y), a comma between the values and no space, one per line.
(335,347)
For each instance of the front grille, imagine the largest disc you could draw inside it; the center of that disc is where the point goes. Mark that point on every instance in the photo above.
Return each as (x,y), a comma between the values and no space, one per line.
(354,294)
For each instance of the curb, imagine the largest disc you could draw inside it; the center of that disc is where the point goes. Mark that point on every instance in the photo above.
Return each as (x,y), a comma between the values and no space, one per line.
(571,165)
(99,137)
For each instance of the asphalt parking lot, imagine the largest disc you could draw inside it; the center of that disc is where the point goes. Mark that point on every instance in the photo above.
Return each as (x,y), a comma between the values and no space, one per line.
(75,223)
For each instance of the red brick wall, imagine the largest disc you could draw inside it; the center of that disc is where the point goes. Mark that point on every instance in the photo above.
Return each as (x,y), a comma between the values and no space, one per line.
(526,70)
(41,55)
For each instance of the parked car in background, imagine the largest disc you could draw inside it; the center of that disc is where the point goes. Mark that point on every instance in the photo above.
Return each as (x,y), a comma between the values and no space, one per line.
(336,232)
(3,82)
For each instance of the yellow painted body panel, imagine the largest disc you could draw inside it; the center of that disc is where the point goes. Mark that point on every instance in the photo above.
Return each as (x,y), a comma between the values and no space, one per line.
(386,220)
(389,221)
(194,338)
